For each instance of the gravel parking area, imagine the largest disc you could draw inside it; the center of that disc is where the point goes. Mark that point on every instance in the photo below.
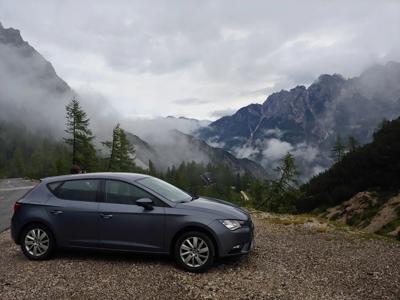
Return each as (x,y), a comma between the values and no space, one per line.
(292,260)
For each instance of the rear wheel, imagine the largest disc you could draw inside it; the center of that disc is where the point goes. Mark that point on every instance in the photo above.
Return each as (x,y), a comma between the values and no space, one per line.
(37,242)
(194,252)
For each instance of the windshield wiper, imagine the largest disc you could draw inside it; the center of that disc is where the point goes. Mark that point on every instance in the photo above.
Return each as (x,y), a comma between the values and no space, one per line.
(194,197)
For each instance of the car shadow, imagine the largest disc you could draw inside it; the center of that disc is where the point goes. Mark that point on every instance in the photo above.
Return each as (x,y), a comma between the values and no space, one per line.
(112,256)
(137,258)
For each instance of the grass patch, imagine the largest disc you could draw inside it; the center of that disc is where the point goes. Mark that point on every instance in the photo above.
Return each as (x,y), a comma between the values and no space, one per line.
(295,219)
(322,229)
(389,227)
(285,221)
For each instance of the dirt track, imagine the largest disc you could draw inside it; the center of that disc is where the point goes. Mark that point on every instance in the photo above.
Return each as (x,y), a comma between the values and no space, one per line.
(293,259)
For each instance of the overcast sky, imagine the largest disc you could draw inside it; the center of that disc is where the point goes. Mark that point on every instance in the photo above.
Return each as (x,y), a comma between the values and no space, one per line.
(203,58)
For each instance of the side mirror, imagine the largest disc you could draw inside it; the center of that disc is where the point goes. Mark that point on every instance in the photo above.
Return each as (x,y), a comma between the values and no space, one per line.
(146,203)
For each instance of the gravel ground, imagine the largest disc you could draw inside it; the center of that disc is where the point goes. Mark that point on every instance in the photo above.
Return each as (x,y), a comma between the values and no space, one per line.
(292,260)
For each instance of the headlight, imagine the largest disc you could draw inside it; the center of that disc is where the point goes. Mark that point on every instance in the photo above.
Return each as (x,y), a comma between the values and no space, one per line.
(232,224)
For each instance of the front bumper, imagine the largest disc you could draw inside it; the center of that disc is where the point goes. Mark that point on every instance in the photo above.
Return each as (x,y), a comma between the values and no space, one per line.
(237,242)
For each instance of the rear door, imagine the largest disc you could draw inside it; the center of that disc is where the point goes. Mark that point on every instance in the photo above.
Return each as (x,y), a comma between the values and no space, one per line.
(73,211)
(127,226)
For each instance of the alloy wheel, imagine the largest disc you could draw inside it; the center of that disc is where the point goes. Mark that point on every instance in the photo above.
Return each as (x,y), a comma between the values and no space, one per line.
(37,242)
(194,252)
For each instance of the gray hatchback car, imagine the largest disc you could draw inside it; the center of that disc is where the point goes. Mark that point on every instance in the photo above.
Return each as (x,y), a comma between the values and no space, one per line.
(129,212)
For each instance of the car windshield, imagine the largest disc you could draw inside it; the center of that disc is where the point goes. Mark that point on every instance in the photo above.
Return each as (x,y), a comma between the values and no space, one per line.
(165,189)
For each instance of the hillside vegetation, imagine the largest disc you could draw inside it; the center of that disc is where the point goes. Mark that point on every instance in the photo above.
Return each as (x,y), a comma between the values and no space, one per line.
(374,166)
(362,188)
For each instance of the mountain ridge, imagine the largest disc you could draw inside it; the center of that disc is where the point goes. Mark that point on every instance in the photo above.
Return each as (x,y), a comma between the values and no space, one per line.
(12,36)
(28,83)
(311,117)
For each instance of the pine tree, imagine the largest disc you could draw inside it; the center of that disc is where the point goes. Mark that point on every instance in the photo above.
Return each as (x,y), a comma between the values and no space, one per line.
(127,153)
(257,193)
(338,149)
(238,183)
(288,172)
(80,136)
(113,146)
(152,169)
(352,143)
(281,194)
(121,151)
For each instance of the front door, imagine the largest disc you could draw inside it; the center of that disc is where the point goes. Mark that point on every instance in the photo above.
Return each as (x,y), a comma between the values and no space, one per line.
(127,226)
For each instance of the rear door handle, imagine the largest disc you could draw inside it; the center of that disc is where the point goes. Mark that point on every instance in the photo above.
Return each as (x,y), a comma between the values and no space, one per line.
(57,212)
(104,216)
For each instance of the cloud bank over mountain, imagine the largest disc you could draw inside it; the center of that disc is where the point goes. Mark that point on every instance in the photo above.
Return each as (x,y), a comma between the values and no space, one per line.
(307,121)
(33,96)
(220,54)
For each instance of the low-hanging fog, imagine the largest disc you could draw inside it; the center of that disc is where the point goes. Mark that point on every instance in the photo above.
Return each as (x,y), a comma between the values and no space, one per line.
(31,94)
(138,62)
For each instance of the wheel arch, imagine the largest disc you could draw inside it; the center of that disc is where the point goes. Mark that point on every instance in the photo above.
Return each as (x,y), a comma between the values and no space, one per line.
(33,222)
(195,227)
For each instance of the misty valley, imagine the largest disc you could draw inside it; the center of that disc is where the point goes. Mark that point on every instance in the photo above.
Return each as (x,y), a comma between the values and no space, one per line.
(200,149)
(302,150)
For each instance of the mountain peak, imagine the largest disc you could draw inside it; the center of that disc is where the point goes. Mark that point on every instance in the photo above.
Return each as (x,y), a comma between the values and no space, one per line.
(10,36)
(30,87)
(328,78)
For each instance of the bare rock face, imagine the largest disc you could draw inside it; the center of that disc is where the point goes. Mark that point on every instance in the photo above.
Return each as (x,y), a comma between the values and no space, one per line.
(386,214)
(350,208)
(369,212)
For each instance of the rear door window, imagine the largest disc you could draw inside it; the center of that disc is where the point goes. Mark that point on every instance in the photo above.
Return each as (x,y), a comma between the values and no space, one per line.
(79,190)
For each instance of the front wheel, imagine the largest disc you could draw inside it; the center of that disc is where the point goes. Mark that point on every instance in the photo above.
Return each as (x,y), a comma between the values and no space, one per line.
(194,252)
(37,242)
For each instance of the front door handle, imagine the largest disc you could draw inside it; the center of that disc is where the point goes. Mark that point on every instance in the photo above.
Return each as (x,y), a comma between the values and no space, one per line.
(104,216)
(57,212)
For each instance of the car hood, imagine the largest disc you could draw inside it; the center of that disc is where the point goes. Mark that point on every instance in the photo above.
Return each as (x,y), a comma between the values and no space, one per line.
(219,207)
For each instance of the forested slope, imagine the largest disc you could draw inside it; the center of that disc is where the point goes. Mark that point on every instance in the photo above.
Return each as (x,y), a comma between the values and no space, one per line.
(374,166)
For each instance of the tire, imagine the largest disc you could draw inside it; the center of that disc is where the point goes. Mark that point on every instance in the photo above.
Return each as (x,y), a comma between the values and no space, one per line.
(191,257)
(37,242)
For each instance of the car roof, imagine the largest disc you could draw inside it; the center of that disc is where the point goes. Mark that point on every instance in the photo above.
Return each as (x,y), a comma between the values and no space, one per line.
(103,175)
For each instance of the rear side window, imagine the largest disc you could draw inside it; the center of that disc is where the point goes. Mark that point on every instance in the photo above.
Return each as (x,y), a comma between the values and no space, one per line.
(78,190)
(53,186)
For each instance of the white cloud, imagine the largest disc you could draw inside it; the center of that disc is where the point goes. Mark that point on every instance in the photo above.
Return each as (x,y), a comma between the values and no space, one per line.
(270,153)
(245,151)
(276,149)
(144,55)
(305,152)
